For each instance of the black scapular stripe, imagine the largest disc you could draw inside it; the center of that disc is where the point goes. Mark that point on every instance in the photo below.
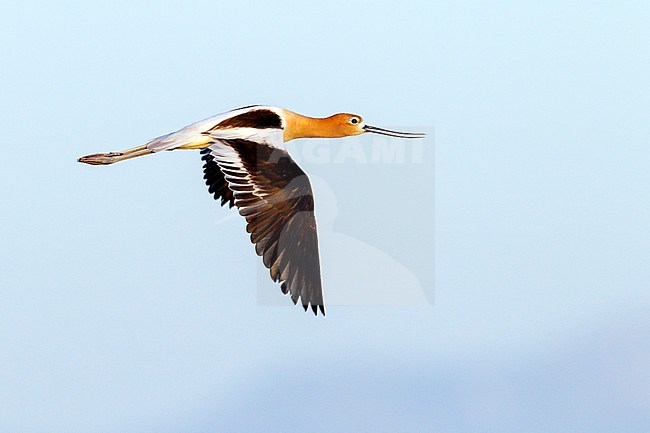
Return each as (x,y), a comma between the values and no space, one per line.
(252,119)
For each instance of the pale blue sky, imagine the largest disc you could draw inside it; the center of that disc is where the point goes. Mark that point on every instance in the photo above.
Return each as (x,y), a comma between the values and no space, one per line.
(129,301)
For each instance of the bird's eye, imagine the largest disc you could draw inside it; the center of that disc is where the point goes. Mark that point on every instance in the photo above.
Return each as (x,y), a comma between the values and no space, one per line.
(354,120)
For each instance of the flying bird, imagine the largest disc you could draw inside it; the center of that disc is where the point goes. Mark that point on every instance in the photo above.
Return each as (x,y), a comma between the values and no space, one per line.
(246,164)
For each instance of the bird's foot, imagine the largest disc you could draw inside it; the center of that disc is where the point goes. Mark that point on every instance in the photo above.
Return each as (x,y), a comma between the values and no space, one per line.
(101,158)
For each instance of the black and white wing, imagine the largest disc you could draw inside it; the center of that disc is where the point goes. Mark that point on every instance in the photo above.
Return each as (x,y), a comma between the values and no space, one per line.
(214,179)
(275,196)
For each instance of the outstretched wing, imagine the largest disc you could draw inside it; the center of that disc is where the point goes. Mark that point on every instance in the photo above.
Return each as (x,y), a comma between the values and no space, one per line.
(275,196)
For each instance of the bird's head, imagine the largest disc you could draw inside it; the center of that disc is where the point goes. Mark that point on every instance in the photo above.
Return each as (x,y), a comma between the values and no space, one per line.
(335,126)
(346,124)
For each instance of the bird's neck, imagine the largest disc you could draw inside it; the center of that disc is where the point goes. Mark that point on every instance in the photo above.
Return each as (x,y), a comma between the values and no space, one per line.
(299,126)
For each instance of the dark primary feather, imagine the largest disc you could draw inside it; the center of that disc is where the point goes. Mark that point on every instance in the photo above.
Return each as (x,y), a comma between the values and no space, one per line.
(215,181)
(275,197)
